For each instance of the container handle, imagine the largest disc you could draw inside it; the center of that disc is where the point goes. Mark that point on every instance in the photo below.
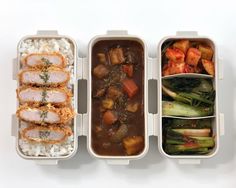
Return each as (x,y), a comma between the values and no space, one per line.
(46,162)
(221,69)
(152,95)
(155,124)
(13,125)
(79,124)
(222,124)
(189,161)
(150,125)
(187,33)
(117,162)
(47,32)
(85,124)
(79,68)
(117,32)
(14,69)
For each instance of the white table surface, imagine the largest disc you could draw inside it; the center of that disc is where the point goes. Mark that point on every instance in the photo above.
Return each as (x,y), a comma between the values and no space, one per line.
(152,20)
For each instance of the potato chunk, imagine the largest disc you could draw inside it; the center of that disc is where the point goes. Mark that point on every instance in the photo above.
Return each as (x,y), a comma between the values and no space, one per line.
(193,56)
(209,67)
(107,103)
(100,71)
(206,51)
(175,55)
(183,45)
(114,92)
(132,107)
(116,56)
(133,144)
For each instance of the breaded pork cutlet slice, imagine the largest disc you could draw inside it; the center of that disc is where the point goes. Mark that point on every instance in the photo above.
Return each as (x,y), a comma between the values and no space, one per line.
(52,134)
(49,77)
(40,96)
(39,60)
(45,114)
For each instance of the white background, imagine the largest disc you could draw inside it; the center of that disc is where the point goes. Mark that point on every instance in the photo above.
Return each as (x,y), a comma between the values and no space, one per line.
(152,20)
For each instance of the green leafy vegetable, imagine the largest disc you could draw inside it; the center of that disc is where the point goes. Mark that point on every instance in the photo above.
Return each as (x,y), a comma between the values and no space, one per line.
(177,143)
(195,92)
(174,108)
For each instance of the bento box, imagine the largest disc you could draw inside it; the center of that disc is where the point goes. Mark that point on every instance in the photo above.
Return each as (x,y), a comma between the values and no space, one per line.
(182,146)
(111,107)
(47,95)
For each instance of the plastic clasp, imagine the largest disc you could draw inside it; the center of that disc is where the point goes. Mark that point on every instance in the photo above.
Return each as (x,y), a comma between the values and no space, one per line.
(189,161)
(117,32)
(46,162)
(13,125)
(221,68)
(222,124)
(187,33)
(118,162)
(47,32)
(14,69)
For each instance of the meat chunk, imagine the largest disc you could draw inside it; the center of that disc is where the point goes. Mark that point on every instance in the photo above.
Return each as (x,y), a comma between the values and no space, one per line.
(206,52)
(119,134)
(52,134)
(183,45)
(209,67)
(109,117)
(116,56)
(114,93)
(101,58)
(193,56)
(44,60)
(100,71)
(52,77)
(133,144)
(175,55)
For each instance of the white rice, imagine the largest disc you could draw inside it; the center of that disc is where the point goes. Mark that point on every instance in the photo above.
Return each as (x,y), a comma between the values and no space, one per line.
(64,47)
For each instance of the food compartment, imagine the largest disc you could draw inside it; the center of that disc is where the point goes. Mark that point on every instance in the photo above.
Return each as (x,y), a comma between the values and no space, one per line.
(188,136)
(118,98)
(187,56)
(189,98)
(47,97)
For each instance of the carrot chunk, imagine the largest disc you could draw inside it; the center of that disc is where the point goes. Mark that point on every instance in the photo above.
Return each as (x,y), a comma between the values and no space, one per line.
(109,117)
(128,69)
(130,87)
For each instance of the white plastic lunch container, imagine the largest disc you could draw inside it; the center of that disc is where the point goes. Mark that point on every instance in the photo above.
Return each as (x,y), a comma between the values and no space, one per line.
(217,118)
(77,73)
(153,120)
